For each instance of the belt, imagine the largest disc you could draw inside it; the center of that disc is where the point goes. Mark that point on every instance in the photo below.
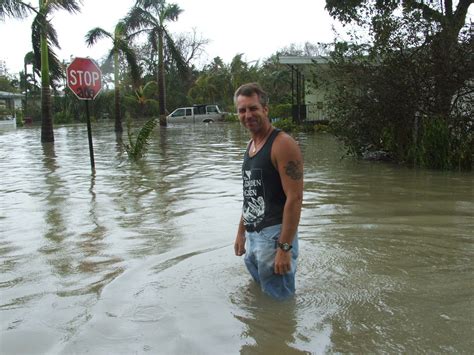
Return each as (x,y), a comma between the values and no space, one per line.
(258,228)
(253,229)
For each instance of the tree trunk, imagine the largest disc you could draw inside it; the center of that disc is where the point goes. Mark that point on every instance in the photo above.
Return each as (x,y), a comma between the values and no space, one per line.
(161,82)
(118,114)
(47,134)
(444,49)
(25,109)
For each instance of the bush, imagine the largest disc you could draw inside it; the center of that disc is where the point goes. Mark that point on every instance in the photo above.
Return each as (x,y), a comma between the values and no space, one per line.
(19,118)
(286,125)
(280,111)
(444,146)
(63,117)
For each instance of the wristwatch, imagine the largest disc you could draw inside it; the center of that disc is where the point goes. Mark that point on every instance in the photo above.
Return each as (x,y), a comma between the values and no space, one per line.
(284,246)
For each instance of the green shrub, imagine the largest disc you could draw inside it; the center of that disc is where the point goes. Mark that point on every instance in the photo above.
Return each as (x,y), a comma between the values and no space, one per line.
(280,111)
(63,117)
(19,118)
(321,128)
(286,125)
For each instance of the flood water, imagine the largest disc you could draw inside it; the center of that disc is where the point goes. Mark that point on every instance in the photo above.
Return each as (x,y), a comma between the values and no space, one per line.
(138,258)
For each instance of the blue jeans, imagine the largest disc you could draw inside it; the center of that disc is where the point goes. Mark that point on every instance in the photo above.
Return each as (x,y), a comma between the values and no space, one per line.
(260,260)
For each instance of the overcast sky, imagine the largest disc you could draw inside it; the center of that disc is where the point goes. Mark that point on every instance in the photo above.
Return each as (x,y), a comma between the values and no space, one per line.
(257,28)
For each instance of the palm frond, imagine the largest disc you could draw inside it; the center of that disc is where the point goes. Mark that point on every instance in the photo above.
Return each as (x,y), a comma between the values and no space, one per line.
(71,6)
(140,18)
(129,100)
(29,58)
(132,61)
(171,12)
(96,34)
(52,35)
(176,56)
(36,40)
(153,5)
(55,67)
(16,9)
(120,29)
(149,87)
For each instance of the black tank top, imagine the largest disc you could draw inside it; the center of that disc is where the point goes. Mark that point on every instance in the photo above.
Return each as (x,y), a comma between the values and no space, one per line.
(264,198)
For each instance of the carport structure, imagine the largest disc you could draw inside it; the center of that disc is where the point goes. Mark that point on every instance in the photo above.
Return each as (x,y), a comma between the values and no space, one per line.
(307,100)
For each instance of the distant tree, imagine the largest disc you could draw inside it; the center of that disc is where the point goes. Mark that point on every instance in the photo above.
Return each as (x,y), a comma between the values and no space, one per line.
(444,22)
(7,84)
(44,39)
(399,89)
(276,79)
(120,47)
(151,17)
(241,72)
(141,102)
(191,46)
(213,85)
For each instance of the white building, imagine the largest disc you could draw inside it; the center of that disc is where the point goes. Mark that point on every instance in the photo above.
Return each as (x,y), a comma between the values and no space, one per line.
(9,103)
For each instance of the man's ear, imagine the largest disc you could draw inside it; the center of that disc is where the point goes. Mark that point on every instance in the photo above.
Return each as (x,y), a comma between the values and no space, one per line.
(266,109)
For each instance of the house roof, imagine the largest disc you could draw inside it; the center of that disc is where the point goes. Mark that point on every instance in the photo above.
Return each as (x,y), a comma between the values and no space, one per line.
(301,60)
(10,95)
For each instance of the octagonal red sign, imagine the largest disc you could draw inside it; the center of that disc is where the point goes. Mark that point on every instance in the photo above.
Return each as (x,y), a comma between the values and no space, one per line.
(84,78)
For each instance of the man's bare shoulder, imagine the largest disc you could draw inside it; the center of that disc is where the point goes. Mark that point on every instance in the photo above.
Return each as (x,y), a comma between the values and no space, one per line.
(285,143)
(287,157)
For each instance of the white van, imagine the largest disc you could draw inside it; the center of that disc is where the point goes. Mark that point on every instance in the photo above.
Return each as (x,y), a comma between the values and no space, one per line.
(196,113)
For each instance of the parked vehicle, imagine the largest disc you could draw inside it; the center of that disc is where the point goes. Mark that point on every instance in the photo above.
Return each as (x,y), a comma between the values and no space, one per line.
(196,113)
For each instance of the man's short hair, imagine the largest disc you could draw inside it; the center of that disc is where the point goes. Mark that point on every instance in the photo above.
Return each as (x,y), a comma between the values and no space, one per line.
(250,89)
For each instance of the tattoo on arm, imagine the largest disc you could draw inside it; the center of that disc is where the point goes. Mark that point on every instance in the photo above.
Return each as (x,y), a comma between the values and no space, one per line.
(294,170)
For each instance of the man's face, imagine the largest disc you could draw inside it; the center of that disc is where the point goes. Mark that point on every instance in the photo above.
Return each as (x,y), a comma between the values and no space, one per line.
(252,114)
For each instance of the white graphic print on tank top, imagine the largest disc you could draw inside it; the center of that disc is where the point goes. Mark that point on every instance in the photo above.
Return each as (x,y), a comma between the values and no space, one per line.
(254,201)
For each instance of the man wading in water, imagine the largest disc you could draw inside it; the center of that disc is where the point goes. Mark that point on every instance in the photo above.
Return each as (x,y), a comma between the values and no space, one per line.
(272,173)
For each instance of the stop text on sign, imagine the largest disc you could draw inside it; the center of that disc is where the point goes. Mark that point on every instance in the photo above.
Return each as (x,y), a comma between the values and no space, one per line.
(80,77)
(84,78)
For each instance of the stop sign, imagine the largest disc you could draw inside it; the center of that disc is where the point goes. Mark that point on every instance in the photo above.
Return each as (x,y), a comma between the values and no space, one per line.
(84,78)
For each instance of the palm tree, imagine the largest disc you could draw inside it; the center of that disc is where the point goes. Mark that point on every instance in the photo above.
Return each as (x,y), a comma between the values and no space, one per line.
(143,98)
(151,16)
(120,47)
(44,38)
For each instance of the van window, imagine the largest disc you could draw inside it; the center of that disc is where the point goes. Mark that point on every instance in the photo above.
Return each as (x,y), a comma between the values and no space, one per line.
(189,112)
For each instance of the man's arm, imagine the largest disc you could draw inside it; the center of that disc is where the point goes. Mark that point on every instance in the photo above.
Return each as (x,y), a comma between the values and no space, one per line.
(239,245)
(288,160)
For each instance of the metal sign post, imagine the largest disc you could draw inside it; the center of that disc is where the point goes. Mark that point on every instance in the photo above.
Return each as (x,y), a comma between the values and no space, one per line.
(89,137)
(84,78)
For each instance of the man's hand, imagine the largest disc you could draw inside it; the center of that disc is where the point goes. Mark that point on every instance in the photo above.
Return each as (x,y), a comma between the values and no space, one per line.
(282,262)
(239,245)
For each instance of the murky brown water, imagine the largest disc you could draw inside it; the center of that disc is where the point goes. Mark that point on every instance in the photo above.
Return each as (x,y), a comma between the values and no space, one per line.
(138,258)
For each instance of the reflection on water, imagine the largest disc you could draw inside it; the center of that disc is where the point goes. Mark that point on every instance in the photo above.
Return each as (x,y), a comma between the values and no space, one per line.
(138,257)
